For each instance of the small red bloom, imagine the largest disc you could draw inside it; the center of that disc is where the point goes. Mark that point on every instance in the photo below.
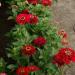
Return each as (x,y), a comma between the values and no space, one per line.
(64,42)
(33,2)
(62,33)
(32,68)
(33,19)
(39,41)
(22,19)
(25,11)
(22,71)
(28,50)
(46,2)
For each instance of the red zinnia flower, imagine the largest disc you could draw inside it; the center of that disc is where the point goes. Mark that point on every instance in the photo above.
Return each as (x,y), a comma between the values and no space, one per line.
(68,55)
(46,2)
(57,59)
(32,68)
(65,55)
(22,71)
(33,19)
(39,41)
(28,50)
(33,2)
(25,11)
(22,19)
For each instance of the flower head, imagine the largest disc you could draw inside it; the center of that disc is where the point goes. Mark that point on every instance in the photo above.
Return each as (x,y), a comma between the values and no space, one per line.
(39,41)
(28,50)
(46,2)
(33,19)
(62,33)
(22,71)
(65,55)
(32,68)
(33,2)
(25,11)
(22,18)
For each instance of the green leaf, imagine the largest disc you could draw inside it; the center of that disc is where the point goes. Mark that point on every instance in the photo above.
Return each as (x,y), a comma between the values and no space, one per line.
(12,66)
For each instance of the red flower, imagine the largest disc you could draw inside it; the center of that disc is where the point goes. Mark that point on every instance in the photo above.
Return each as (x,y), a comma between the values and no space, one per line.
(33,2)
(62,33)
(39,41)
(57,59)
(22,71)
(28,50)
(22,19)
(69,55)
(46,2)
(33,19)
(64,42)
(65,55)
(32,68)
(25,11)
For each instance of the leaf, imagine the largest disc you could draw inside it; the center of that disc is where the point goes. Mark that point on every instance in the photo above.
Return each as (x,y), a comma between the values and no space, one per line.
(12,66)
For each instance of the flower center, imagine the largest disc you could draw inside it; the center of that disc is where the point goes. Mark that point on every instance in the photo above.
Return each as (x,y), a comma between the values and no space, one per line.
(23,18)
(28,48)
(22,71)
(68,52)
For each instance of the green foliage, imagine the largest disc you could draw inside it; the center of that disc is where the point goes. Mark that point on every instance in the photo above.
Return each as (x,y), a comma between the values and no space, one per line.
(2,65)
(25,34)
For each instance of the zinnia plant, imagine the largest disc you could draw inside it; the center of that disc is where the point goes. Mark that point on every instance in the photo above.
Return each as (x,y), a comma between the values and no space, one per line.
(36,46)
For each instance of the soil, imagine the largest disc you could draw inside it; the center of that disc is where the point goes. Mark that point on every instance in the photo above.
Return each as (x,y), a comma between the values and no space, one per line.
(64,15)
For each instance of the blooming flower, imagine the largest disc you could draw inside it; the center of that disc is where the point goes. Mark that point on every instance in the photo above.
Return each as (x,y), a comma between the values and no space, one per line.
(57,59)
(33,2)
(3,73)
(32,68)
(39,41)
(22,71)
(33,19)
(65,55)
(22,18)
(25,11)
(28,50)
(46,2)
(62,33)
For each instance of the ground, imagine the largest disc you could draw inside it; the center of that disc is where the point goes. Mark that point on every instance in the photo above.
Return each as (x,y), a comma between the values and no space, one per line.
(64,15)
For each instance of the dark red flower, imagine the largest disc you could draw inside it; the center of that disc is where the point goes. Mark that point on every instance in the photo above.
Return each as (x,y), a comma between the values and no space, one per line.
(65,55)
(28,50)
(33,19)
(39,41)
(33,2)
(22,19)
(32,68)
(22,71)
(46,2)
(25,11)
(57,59)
